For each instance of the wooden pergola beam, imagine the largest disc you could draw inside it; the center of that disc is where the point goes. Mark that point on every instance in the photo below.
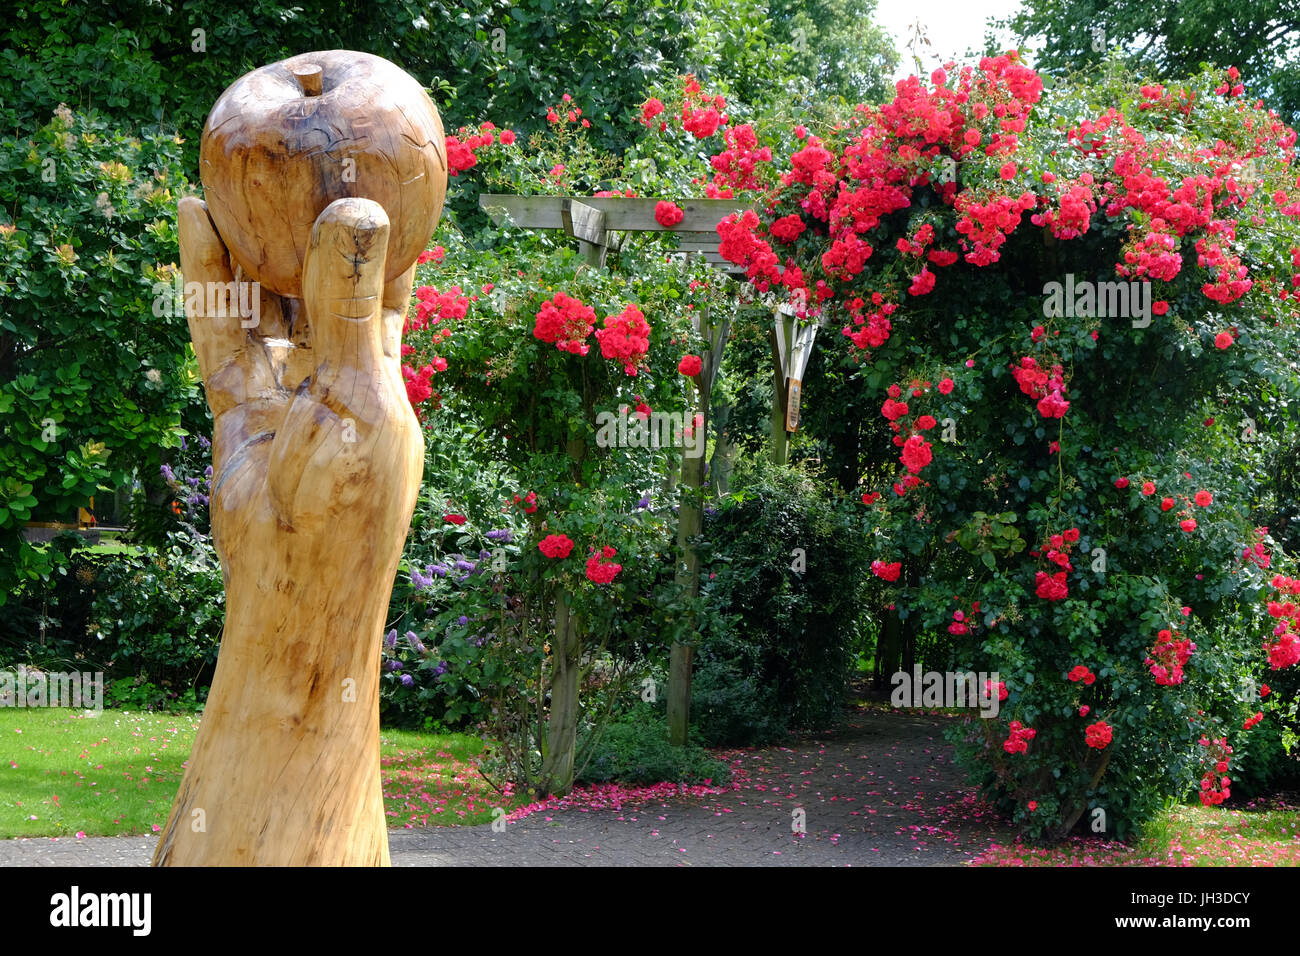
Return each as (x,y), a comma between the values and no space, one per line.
(599,223)
(621,214)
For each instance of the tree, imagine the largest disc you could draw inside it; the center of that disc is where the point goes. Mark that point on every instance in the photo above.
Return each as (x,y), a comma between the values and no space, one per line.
(94,366)
(1173,40)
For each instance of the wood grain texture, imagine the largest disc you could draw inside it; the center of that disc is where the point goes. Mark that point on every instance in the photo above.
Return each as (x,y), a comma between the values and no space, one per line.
(317,461)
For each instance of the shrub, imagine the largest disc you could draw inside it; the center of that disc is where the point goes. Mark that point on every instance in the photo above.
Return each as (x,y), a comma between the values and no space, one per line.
(635,750)
(158,616)
(785,573)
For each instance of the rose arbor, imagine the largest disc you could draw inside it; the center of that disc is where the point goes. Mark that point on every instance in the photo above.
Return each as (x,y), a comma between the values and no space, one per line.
(324,176)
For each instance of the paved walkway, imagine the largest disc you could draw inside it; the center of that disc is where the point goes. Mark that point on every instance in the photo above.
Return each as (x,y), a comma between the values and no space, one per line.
(880,790)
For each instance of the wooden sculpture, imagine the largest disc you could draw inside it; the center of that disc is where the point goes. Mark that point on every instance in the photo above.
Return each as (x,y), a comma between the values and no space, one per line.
(324,176)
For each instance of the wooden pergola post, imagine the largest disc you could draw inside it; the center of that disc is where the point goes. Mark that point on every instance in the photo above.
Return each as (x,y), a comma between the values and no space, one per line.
(689,524)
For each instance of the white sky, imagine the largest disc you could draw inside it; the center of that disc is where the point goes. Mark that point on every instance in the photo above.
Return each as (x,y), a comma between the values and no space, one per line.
(952,26)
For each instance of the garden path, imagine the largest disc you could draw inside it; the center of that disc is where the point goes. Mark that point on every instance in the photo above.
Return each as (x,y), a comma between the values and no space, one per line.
(879,790)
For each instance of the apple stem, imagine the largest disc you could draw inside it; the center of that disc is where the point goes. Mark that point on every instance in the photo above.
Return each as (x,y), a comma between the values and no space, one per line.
(309,78)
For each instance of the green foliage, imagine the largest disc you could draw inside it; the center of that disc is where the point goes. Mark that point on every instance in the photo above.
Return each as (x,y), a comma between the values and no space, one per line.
(635,750)
(92,381)
(731,706)
(785,575)
(158,617)
(1258,38)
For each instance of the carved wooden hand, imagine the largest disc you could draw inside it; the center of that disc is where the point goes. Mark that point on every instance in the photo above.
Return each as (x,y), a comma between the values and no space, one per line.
(317,459)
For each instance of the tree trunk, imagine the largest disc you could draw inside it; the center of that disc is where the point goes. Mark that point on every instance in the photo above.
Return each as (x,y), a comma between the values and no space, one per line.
(888,649)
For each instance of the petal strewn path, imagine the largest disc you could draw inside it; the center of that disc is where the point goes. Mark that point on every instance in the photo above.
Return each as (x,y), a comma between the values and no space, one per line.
(879,790)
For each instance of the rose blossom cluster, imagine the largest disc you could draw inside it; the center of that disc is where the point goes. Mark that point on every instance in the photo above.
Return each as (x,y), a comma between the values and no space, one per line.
(1168,657)
(600,569)
(1052,586)
(1047,387)
(462,148)
(1098,735)
(1285,651)
(1214,783)
(1018,742)
(625,338)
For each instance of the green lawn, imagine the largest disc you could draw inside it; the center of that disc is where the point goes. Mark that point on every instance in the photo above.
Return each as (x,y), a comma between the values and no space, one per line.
(65,772)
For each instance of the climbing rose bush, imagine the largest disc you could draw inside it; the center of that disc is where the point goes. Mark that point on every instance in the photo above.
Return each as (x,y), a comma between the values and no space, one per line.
(1102,279)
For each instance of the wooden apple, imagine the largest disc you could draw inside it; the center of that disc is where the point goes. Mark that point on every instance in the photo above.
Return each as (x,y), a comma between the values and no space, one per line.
(286,140)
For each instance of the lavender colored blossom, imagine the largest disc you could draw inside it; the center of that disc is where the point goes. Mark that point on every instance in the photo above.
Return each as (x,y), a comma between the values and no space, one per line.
(390,639)
(643,503)
(437,570)
(503,535)
(420,581)
(184,447)
(407,680)
(167,473)
(462,620)
(207,472)
(204,443)
(464,566)
(394,665)
(414,641)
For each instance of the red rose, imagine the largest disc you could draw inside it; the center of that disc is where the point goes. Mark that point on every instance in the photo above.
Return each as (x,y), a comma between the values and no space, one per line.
(555,546)
(668,214)
(690,365)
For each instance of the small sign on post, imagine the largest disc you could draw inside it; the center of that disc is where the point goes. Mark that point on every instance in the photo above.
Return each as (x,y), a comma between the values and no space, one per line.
(792,406)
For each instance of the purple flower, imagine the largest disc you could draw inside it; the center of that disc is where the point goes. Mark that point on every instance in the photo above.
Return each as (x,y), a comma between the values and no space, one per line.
(644,502)
(420,581)
(440,670)
(207,472)
(394,665)
(462,620)
(464,566)
(167,473)
(192,482)
(484,555)
(414,641)
(390,639)
(204,443)
(184,447)
(502,535)
(407,680)
(437,570)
